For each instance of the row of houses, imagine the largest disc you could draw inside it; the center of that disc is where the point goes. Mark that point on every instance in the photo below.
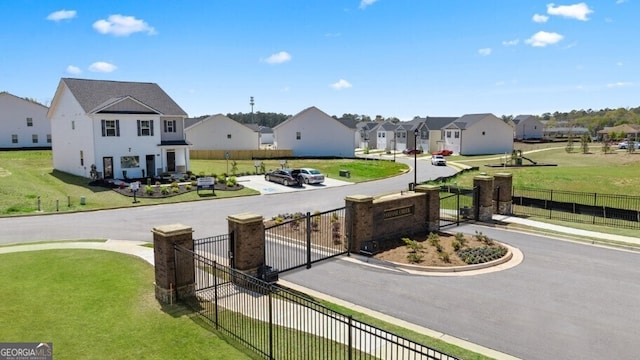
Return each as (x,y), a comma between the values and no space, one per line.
(118,129)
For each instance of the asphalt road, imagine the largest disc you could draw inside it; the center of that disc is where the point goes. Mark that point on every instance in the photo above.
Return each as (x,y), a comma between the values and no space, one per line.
(564,301)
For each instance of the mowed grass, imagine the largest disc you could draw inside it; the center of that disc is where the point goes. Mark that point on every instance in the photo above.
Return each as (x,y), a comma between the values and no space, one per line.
(97,305)
(29,184)
(594,172)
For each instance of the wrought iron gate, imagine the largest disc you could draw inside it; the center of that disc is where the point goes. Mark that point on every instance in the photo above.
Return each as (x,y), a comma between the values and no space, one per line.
(303,239)
(457,205)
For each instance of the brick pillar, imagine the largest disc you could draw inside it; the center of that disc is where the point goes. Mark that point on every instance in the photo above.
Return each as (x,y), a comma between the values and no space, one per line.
(168,286)
(360,216)
(484,207)
(248,243)
(433,205)
(503,185)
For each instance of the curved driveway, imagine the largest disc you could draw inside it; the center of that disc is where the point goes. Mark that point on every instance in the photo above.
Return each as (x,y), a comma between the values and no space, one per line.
(564,301)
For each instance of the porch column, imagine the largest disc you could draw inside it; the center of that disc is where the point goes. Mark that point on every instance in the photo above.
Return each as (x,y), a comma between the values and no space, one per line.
(173,279)
(433,205)
(503,185)
(484,206)
(247,242)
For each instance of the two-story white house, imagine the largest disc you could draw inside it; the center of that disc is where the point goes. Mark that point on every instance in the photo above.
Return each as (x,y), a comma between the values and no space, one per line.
(24,123)
(219,132)
(124,129)
(478,134)
(528,127)
(307,134)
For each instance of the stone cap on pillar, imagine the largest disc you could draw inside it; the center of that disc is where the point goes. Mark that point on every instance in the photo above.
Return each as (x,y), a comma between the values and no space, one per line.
(172,230)
(359,198)
(245,218)
(503,175)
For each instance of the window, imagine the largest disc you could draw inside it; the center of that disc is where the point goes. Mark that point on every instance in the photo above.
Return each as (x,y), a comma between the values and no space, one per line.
(110,127)
(228,136)
(456,134)
(129,162)
(34,138)
(404,135)
(29,121)
(48,138)
(145,128)
(483,133)
(298,135)
(81,158)
(73,124)
(170,126)
(14,138)
(448,134)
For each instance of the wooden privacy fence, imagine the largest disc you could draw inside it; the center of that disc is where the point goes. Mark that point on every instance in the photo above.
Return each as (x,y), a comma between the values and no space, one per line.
(240,154)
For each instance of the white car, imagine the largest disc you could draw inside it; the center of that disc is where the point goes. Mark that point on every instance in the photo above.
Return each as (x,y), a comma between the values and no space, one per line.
(309,175)
(625,145)
(438,160)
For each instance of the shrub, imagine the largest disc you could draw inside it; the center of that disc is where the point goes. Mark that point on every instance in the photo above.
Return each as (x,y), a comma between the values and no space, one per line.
(456,245)
(164,190)
(414,256)
(484,238)
(232,181)
(149,190)
(444,256)
(482,254)
(188,186)
(175,189)
(461,239)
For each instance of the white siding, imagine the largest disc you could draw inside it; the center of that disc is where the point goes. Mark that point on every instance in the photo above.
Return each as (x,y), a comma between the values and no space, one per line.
(490,135)
(320,135)
(14,112)
(222,133)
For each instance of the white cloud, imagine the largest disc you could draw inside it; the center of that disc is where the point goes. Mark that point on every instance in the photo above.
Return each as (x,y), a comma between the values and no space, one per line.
(74,70)
(540,18)
(102,66)
(576,11)
(365,3)
(619,84)
(120,25)
(278,58)
(61,15)
(485,51)
(543,38)
(621,1)
(511,42)
(341,84)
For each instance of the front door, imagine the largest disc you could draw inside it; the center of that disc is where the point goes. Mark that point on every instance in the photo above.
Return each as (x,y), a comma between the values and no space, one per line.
(171,161)
(107,165)
(150,160)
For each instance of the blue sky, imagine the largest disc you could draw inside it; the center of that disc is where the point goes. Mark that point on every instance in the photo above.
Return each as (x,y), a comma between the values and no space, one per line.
(394,58)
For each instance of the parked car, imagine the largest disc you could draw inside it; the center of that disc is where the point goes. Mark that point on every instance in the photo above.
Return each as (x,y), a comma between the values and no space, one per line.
(283,176)
(438,160)
(443,152)
(625,144)
(411,151)
(308,175)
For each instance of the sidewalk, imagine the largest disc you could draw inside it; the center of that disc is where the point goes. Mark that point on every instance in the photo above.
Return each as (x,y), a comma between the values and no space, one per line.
(632,241)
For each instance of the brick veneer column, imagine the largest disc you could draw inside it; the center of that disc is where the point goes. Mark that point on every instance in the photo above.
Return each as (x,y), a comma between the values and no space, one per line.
(433,205)
(485,198)
(247,232)
(360,215)
(168,287)
(503,182)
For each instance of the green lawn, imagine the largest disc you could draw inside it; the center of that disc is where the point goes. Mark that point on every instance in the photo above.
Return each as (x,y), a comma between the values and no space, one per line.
(595,172)
(97,305)
(29,184)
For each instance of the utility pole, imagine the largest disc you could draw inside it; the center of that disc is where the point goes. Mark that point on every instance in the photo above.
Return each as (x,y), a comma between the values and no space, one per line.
(251,102)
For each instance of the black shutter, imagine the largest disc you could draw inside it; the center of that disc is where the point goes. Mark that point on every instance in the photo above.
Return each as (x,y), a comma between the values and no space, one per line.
(139,131)
(117,127)
(165,126)
(151,126)
(104,128)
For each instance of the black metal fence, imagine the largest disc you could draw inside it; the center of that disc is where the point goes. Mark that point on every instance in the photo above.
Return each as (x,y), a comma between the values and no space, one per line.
(215,248)
(456,204)
(593,208)
(303,239)
(281,324)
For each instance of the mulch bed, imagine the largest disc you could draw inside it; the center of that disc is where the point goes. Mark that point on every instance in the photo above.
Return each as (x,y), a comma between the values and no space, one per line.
(124,190)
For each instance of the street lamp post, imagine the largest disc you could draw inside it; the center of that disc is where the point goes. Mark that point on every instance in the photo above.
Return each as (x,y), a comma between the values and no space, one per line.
(394,146)
(415,158)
